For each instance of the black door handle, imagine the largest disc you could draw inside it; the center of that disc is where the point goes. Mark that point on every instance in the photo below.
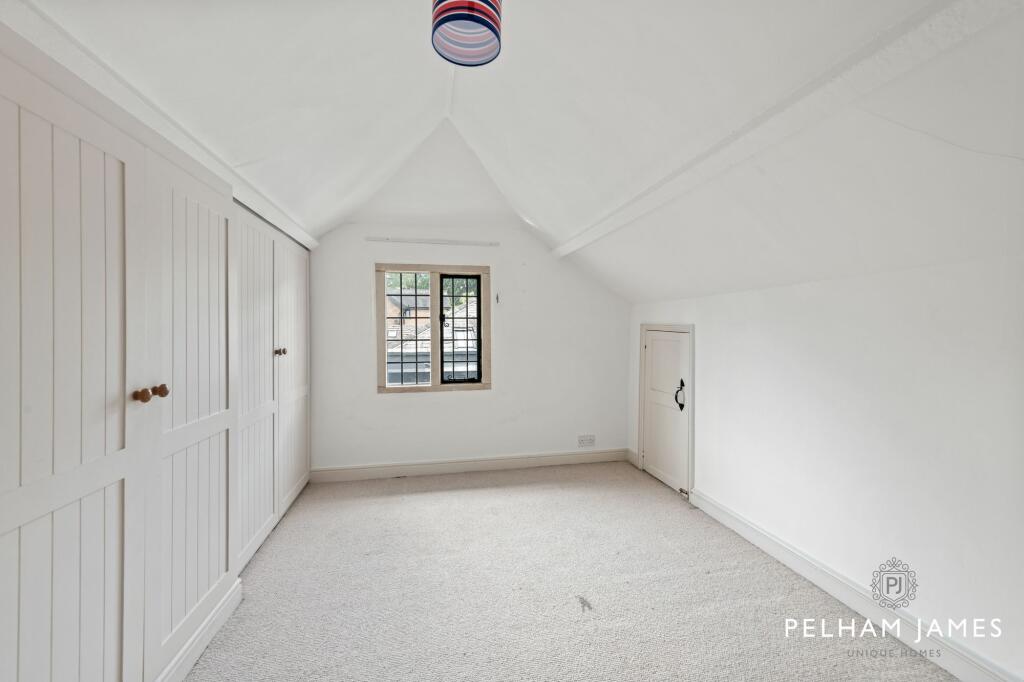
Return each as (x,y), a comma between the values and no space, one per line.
(681,405)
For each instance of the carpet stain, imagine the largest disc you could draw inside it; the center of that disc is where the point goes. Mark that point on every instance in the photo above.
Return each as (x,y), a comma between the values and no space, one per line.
(584,604)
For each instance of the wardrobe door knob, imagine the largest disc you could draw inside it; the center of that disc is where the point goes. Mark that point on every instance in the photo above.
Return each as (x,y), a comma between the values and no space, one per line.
(143,395)
(161,391)
(284,351)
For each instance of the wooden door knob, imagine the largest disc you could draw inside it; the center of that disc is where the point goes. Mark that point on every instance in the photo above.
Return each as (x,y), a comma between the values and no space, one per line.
(161,391)
(143,395)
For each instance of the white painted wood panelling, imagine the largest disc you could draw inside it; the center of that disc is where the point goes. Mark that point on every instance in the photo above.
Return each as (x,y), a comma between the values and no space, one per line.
(255,453)
(123,523)
(62,595)
(192,547)
(74,446)
(271,456)
(187,525)
(255,466)
(256,314)
(66,296)
(10,297)
(292,306)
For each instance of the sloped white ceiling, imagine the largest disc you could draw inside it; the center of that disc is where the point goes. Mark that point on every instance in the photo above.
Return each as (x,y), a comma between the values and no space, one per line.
(339,111)
(316,103)
(592,102)
(927,170)
(441,183)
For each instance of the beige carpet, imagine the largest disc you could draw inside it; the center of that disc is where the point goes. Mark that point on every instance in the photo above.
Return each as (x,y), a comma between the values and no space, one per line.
(586,572)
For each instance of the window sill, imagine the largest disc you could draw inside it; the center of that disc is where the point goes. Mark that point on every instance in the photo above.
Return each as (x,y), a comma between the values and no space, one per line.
(443,388)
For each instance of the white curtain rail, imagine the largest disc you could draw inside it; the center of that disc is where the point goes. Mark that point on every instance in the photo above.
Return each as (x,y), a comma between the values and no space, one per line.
(437,242)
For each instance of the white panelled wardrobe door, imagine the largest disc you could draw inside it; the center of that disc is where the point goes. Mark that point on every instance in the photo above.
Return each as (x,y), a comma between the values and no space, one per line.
(72,484)
(253,512)
(292,305)
(186,522)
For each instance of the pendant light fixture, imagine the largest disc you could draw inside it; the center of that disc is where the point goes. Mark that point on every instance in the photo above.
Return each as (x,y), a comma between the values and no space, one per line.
(467,32)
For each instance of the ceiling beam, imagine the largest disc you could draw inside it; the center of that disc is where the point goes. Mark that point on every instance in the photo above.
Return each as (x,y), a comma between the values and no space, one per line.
(891,54)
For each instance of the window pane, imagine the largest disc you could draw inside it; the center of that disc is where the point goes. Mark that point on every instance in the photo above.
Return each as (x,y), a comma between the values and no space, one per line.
(407,327)
(393,328)
(459,345)
(392,282)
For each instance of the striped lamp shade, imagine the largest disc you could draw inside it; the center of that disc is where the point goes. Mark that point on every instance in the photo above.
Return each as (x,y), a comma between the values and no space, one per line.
(467,32)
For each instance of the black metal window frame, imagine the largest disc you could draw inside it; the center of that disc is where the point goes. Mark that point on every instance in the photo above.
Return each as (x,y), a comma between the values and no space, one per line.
(445,322)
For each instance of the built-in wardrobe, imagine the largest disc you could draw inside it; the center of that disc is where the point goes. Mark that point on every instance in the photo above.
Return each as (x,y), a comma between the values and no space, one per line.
(154,389)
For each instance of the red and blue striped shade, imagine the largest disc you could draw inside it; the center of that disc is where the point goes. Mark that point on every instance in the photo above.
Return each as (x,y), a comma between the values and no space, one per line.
(467,32)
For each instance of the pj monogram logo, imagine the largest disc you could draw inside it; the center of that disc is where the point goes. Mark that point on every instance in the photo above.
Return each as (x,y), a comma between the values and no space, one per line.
(894,585)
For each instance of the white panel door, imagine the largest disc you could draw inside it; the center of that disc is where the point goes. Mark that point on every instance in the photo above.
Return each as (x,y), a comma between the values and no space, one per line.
(292,296)
(72,456)
(187,528)
(665,450)
(253,456)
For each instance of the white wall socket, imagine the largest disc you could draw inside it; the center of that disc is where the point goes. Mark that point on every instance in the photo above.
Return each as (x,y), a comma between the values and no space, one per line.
(586,440)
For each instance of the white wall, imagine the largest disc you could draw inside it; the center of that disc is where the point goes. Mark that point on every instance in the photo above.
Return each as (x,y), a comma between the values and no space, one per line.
(556,334)
(864,397)
(869,417)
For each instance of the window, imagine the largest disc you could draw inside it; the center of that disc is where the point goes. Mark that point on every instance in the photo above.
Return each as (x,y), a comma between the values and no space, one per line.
(407,319)
(460,327)
(433,328)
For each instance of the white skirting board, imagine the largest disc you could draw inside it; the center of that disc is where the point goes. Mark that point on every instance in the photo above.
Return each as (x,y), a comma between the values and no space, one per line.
(180,666)
(957,659)
(292,495)
(457,466)
(258,538)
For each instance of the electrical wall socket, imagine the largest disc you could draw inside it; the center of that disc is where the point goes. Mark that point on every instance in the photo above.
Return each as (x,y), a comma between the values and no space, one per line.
(586,440)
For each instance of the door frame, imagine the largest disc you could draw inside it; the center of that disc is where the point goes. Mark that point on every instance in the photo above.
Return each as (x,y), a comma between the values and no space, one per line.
(677,329)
